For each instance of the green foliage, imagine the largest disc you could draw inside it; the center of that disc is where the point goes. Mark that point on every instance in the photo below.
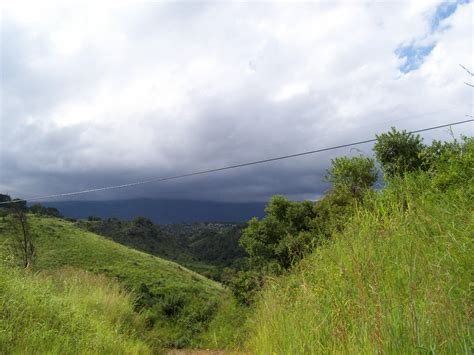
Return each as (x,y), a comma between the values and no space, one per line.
(41,210)
(333,211)
(291,230)
(359,271)
(452,165)
(432,154)
(67,312)
(282,236)
(395,279)
(173,304)
(355,174)
(60,244)
(206,248)
(399,152)
(219,247)
(18,204)
(245,286)
(227,328)
(4,208)
(5,198)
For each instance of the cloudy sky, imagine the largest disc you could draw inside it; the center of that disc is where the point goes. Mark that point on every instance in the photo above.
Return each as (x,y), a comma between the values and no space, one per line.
(95,96)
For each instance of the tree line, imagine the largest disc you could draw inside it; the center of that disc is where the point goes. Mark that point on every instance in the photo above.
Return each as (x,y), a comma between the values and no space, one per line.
(290,230)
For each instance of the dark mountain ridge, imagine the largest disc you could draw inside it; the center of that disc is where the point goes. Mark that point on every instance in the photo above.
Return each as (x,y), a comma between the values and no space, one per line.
(162,211)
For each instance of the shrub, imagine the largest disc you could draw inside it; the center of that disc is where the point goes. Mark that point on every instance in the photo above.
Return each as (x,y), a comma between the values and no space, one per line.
(356,174)
(452,164)
(245,286)
(282,236)
(173,304)
(399,152)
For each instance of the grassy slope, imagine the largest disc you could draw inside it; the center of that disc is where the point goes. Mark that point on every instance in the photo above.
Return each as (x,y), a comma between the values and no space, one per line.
(396,281)
(204,248)
(60,244)
(67,312)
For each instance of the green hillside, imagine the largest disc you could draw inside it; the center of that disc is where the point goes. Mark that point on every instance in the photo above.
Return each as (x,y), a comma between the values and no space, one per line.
(358,271)
(395,280)
(207,248)
(176,302)
(67,312)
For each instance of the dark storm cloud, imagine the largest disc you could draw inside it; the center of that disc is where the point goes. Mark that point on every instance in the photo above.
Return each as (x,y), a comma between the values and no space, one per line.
(105,96)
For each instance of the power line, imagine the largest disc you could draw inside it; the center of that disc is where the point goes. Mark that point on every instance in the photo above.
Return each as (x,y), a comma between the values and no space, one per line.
(226,167)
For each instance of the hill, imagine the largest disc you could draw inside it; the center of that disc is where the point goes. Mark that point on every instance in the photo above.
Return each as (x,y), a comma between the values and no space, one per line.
(67,312)
(176,302)
(162,211)
(396,279)
(206,248)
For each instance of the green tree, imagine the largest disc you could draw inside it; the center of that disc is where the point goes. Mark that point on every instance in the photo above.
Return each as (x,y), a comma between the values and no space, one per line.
(245,286)
(282,236)
(451,164)
(4,207)
(5,198)
(399,152)
(44,211)
(356,174)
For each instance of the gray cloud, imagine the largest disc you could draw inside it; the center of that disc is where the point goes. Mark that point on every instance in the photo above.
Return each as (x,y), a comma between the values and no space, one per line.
(102,96)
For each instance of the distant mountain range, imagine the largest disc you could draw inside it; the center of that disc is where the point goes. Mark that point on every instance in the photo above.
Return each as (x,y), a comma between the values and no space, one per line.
(162,211)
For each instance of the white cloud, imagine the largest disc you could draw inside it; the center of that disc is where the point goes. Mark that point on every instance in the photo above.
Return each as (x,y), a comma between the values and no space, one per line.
(159,88)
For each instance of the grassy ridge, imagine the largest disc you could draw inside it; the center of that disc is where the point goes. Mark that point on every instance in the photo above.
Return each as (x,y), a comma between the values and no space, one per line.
(395,281)
(177,303)
(67,312)
(59,243)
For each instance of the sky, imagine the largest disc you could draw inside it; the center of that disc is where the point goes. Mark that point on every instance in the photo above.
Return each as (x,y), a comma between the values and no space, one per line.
(97,95)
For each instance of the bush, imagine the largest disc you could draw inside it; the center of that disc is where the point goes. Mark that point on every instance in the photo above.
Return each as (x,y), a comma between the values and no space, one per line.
(356,174)
(452,165)
(41,210)
(173,304)
(399,152)
(282,236)
(245,286)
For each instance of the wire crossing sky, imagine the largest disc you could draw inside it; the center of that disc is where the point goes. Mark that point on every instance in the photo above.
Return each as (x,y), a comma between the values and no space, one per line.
(156,180)
(105,94)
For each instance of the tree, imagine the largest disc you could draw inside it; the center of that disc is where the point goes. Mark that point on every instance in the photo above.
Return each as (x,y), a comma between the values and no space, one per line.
(282,237)
(4,208)
(356,174)
(22,241)
(399,152)
(44,211)
(245,286)
(451,164)
(5,198)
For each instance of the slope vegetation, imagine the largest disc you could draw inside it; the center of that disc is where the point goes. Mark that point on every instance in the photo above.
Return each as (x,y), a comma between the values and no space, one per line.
(67,312)
(396,280)
(177,303)
(206,248)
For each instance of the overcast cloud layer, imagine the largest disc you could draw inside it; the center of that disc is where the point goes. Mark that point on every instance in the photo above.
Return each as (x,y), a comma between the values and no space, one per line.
(94,96)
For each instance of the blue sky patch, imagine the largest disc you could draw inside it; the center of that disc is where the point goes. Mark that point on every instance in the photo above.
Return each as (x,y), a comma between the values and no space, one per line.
(444,10)
(414,56)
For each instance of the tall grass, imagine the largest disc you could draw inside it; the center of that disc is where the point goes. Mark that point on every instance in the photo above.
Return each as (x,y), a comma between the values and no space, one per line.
(227,328)
(156,283)
(395,281)
(67,312)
